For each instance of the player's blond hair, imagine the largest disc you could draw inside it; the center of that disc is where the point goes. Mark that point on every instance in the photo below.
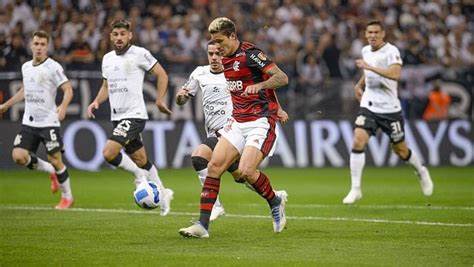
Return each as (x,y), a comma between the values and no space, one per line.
(222,25)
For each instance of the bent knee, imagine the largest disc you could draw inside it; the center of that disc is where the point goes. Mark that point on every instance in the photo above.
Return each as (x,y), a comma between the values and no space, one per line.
(109,154)
(20,156)
(215,166)
(246,172)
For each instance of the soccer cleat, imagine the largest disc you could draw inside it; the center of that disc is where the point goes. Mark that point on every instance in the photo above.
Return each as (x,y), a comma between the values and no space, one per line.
(64,203)
(352,197)
(54,182)
(196,230)
(167,196)
(216,212)
(278,212)
(425,181)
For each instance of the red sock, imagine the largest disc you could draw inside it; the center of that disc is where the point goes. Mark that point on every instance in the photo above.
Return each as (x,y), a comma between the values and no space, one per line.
(209,193)
(264,188)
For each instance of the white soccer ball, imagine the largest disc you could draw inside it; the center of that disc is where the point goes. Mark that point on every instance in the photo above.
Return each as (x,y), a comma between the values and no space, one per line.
(147,196)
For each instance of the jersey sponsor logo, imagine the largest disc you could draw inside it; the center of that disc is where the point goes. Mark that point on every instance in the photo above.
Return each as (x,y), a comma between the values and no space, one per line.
(234,86)
(235,66)
(257,60)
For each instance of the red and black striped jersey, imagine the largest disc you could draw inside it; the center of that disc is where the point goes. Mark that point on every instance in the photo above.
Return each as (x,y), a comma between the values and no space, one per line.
(246,67)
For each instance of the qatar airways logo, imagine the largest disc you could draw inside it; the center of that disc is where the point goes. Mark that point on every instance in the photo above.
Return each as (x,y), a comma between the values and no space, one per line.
(234,86)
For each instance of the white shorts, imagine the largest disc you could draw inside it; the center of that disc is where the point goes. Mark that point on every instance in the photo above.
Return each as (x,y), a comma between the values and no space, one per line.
(260,133)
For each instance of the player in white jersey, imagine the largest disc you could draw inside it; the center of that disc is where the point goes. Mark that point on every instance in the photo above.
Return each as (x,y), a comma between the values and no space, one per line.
(123,71)
(42,77)
(380,108)
(217,105)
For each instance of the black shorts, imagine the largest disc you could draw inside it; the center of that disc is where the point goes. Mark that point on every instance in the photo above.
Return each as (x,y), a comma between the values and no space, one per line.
(29,138)
(127,132)
(390,123)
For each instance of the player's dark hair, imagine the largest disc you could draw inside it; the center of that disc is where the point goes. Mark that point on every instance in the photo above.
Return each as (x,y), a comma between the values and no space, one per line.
(376,22)
(121,23)
(222,25)
(211,42)
(41,34)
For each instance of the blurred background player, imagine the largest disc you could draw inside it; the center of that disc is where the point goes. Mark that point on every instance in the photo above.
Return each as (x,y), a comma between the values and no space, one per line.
(250,134)
(380,108)
(42,77)
(123,71)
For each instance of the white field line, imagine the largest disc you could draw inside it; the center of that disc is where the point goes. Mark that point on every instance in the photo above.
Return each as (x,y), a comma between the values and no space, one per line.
(325,206)
(300,218)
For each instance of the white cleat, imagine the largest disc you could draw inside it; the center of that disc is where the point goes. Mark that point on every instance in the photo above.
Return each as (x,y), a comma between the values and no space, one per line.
(278,212)
(167,196)
(425,181)
(352,197)
(196,230)
(216,212)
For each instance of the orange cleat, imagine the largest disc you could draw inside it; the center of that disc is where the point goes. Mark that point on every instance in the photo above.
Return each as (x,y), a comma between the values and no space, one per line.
(54,182)
(65,203)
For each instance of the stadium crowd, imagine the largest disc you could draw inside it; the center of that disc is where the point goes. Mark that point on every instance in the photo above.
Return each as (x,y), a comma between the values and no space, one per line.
(314,41)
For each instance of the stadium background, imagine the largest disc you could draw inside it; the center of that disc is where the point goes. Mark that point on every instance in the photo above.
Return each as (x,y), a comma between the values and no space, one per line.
(314,42)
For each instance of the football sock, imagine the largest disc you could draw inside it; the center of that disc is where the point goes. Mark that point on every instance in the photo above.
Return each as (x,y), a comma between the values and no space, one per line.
(153,174)
(357,162)
(209,193)
(202,174)
(263,187)
(64,184)
(36,163)
(124,162)
(413,160)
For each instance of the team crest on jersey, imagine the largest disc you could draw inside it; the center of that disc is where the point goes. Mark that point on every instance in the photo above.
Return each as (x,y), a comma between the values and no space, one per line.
(236,65)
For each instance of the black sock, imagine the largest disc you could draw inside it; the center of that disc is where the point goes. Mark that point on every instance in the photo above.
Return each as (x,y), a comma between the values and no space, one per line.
(116,161)
(147,166)
(33,162)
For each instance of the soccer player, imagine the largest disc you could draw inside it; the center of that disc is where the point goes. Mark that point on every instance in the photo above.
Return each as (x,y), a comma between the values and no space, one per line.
(123,71)
(250,134)
(380,108)
(42,76)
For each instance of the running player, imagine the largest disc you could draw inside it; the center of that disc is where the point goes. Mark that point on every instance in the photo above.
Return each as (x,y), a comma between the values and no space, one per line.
(250,134)
(123,71)
(380,108)
(42,77)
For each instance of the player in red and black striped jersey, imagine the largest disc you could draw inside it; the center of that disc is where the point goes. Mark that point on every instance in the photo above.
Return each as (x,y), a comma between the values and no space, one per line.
(250,134)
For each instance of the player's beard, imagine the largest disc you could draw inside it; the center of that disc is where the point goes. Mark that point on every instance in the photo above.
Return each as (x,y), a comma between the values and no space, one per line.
(122,50)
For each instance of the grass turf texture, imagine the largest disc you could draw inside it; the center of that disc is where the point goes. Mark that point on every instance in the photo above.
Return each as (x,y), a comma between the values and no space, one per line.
(321,231)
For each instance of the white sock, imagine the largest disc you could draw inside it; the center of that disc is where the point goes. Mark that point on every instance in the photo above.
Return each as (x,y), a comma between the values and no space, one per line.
(65,186)
(43,165)
(414,161)
(154,177)
(357,162)
(130,166)
(202,174)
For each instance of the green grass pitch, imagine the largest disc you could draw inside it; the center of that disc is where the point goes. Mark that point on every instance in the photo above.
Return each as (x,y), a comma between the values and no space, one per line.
(393,224)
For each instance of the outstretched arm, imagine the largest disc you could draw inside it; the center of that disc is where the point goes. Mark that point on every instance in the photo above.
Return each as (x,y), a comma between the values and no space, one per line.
(102,95)
(61,110)
(19,96)
(161,87)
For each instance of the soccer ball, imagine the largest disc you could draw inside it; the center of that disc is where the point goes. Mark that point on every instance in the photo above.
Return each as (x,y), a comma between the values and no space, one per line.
(147,196)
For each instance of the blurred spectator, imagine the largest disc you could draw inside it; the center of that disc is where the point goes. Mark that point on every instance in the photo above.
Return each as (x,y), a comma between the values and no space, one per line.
(176,60)
(438,104)
(148,36)
(15,54)
(80,54)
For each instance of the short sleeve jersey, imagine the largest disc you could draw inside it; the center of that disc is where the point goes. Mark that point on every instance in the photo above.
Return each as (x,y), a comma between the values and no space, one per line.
(246,67)
(125,74)
(41,83)
(380,95)
(216,99)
